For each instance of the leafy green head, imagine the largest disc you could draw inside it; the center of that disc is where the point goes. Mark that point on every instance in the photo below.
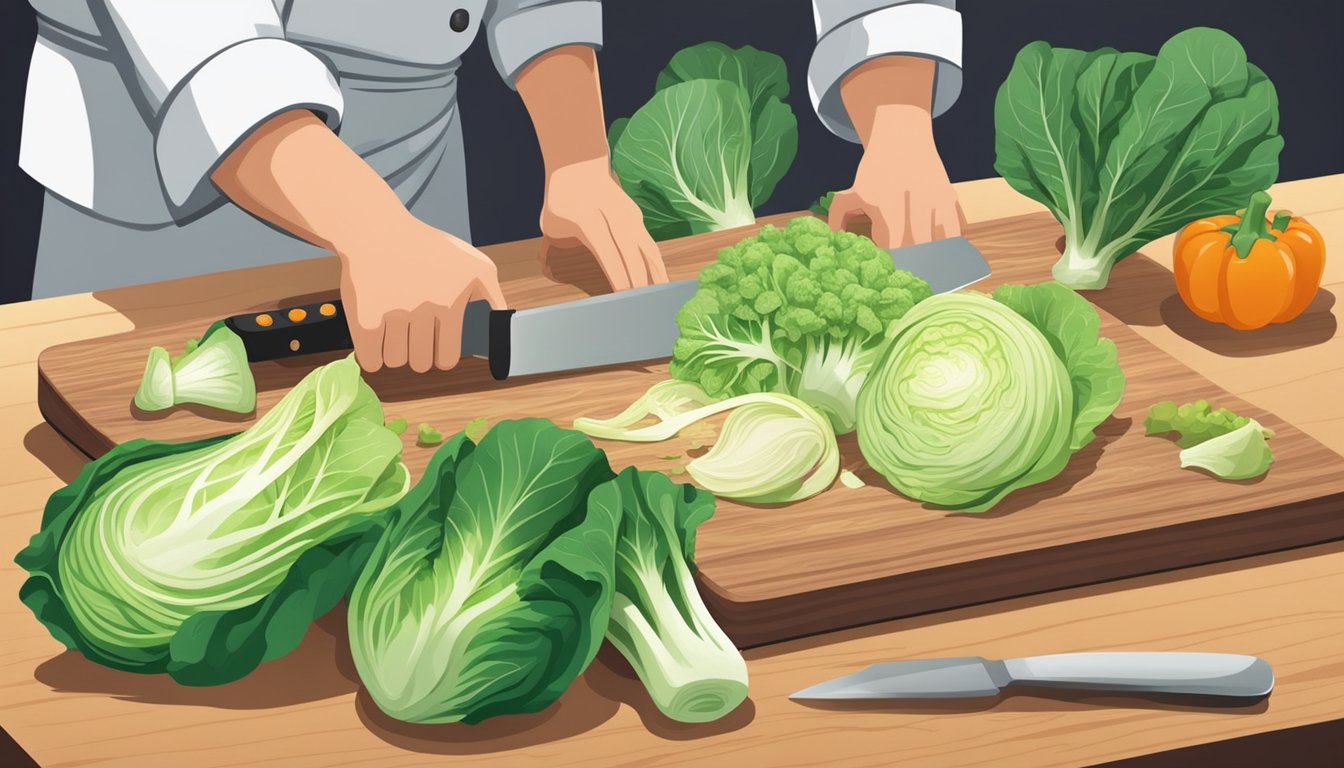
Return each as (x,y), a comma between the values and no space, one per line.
(977,396)
(800,310)
(491,587)
(204,559)
(711,144)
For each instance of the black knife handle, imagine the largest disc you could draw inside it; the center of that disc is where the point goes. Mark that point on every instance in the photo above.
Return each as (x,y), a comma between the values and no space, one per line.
(299,330)
(323,327)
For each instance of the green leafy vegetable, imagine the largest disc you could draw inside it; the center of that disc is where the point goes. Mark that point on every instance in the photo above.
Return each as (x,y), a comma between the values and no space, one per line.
(1238,455)
(851,480)
(773,448)
(800,311)
(823,205)
(205,559)
(491,588)
(1195,422)
(1124,148)
(398,425)
(213,372)
(1072,327)
(711,144)
(659,623)
(427,435)
(975,397)
(1227,445)
(476,429)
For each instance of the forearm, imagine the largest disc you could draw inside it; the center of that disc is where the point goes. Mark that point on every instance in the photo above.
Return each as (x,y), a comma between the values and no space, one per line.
(890,95)
(295,174)
(563,96)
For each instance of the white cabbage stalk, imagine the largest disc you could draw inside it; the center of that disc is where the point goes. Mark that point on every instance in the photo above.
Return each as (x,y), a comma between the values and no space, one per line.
(773,448)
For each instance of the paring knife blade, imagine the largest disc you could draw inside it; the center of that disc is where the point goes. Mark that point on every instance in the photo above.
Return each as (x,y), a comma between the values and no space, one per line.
(629,326)
(1205,674)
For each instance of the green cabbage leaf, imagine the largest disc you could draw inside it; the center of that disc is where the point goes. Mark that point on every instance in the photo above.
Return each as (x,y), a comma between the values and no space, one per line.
(491,588)
(205,559)
(975,396)
(1124,148)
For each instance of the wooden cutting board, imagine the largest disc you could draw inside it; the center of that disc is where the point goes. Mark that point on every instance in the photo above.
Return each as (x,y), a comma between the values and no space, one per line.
(849,556)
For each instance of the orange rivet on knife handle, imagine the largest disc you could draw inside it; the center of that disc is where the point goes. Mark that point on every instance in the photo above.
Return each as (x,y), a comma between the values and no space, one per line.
(327,310)
(297,314)
(265,320)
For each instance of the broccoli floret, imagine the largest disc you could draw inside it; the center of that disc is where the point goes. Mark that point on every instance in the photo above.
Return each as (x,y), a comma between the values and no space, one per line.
(801,310)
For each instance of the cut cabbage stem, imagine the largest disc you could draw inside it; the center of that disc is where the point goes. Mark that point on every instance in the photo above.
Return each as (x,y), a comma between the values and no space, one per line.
(773,448)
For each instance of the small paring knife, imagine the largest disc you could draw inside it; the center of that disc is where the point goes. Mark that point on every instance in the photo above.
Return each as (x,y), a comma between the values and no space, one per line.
(1201,674)
(624,327)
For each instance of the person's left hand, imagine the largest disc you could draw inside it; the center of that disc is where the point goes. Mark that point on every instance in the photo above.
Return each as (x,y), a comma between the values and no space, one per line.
(585,205)
(901,185)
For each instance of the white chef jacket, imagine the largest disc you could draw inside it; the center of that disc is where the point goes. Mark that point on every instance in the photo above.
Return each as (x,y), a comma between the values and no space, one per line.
(132,104)
(850,32)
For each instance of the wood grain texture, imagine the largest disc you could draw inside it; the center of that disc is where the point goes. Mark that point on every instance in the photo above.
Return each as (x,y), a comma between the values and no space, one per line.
(849,556)
(303,711)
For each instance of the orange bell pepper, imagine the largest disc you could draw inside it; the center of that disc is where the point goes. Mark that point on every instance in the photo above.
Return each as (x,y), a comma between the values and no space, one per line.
(1246,271)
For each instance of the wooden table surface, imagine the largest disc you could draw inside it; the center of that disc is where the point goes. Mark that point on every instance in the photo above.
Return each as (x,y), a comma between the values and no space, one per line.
(305,709)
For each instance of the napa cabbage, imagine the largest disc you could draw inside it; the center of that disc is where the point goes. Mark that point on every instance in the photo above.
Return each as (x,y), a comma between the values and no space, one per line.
(204,559)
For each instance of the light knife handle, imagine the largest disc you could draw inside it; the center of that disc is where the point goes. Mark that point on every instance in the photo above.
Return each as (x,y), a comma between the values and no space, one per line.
(1209,674)
(323,327)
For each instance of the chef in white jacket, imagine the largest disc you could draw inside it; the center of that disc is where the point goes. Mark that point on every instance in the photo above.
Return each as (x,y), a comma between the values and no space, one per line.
(158,126)
(881,71)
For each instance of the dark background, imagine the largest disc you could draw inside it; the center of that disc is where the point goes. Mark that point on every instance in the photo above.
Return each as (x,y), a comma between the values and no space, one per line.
(1297,42)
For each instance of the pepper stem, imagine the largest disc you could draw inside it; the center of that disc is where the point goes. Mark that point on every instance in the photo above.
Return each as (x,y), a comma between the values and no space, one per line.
(1281,220)
(1253,226)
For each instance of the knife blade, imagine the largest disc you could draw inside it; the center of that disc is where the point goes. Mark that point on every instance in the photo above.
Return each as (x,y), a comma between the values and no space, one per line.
(1205,674)
(628,326)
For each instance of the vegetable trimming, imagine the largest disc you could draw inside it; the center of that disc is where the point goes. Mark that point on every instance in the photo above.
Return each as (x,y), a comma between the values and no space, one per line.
(659,623)
(205,559)
(1124,148)
(1222,443)
(772,449)
(212,371)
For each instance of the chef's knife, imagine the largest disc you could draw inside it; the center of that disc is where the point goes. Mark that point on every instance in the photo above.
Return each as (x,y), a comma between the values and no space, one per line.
(1206,674)
(622,327)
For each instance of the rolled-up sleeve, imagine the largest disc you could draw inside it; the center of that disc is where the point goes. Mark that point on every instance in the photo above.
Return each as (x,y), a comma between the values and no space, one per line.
(851,32)
(518,31)
(206,73)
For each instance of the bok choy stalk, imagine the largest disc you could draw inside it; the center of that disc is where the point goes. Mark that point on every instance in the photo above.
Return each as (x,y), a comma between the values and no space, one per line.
(773,448)
(205,559)
(691,669)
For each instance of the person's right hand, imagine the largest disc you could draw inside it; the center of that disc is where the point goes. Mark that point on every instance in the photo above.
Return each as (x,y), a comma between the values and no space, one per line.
(405,290)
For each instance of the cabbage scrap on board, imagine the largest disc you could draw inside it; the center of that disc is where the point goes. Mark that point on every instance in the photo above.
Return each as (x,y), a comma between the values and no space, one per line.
(1124,148)
(693,672)
(977,396)
(490,589)
(800,311)
(711,144)
(1220,442)
(205,559)
(773,448)
(213,372)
